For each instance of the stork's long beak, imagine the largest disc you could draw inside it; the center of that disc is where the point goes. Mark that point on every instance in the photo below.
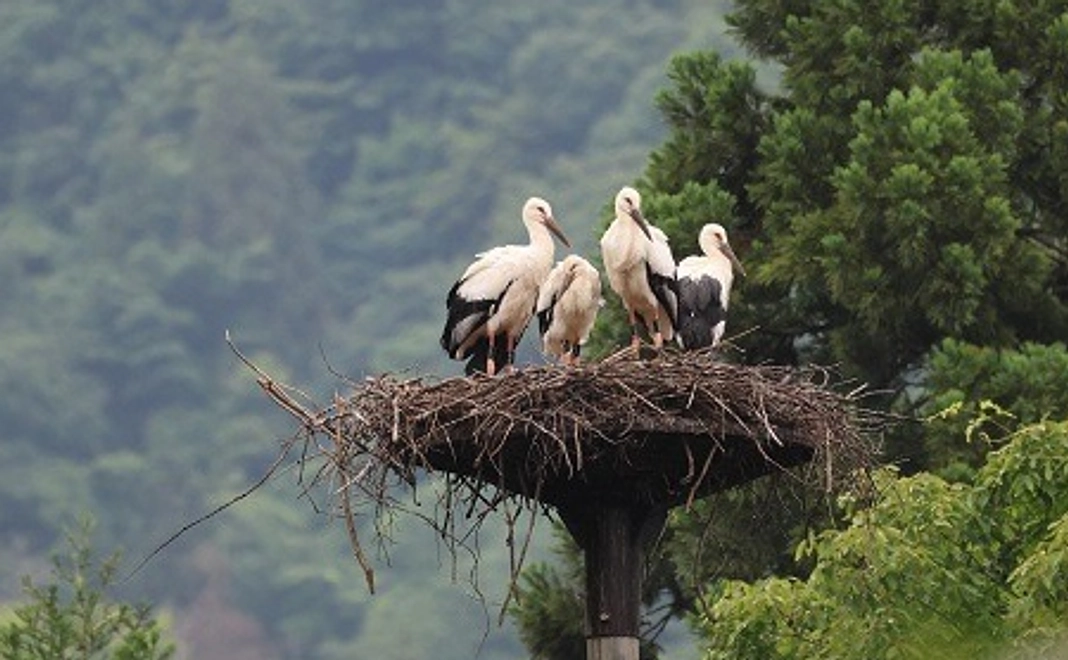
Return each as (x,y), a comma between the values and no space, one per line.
(550,222)
(636,215)
(728,252)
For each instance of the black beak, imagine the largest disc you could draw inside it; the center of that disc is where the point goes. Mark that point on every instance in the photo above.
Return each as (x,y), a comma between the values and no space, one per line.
(555,228)
(726,249)
(636,215)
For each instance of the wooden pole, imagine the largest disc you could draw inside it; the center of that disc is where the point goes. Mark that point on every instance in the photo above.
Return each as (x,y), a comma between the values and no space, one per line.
(614,539)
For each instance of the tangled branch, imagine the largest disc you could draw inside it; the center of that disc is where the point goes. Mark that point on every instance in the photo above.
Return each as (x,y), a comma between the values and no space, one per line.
(659,431)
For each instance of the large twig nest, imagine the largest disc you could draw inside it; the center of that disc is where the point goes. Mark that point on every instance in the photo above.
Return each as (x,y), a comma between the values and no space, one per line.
(622,431)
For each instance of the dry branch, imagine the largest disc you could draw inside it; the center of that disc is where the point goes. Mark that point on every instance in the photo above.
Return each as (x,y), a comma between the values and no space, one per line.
(649,432)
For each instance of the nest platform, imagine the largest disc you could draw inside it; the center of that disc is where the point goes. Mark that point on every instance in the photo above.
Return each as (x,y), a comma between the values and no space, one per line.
(609,446)
(623,432)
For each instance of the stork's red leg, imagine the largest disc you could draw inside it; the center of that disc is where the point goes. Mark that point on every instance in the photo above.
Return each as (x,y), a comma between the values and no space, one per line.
(510,355)
(491,364)
(635,338)
(658,337)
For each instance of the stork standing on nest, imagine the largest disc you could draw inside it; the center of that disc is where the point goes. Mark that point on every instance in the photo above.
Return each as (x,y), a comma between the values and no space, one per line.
(641,269)
(490,306)
(567,307)
(705,289)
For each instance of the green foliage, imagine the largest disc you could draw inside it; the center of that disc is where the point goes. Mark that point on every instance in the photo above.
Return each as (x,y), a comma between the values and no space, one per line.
(979,393)
(933,569)
(550,604)
(717,114)
(1030,383)
(884,201)
(1041,606)
(73,617)
(919,241)
(550,615)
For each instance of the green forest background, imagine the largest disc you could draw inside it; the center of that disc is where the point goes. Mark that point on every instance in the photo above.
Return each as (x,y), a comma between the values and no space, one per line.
(310,176)
(313,176)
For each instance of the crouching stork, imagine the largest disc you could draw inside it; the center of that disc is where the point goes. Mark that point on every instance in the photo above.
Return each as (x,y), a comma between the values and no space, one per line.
(567,308)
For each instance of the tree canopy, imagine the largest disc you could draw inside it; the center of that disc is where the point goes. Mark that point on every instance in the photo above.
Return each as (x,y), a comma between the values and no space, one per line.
(934,569)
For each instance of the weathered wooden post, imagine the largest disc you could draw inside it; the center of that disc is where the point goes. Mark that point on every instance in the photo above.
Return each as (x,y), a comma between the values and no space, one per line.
(610,446)
(614,539)
(618,509)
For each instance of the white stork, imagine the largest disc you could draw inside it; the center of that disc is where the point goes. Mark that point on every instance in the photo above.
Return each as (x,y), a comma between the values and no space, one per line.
(490,306)
(641,269)
(705,289)
(567,307)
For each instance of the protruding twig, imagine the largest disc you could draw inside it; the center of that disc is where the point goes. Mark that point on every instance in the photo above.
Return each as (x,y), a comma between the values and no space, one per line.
(505,441)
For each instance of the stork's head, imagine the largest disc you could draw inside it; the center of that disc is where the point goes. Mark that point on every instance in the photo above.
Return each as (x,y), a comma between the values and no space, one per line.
(538,211)
(575,264)
(713,238)
(629,204)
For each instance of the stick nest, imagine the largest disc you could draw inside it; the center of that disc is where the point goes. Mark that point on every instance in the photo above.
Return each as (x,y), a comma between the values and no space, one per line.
(623,431)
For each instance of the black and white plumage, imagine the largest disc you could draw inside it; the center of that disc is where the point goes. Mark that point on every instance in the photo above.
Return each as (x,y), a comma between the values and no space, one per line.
(641,269)
(491,304)
(567,307)
(705,288)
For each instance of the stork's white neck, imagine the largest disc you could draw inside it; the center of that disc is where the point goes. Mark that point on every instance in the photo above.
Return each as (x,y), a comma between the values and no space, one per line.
(629,224)
(541,240)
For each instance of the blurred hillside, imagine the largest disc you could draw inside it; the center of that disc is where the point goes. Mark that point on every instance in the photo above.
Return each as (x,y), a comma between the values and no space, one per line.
(311,177)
